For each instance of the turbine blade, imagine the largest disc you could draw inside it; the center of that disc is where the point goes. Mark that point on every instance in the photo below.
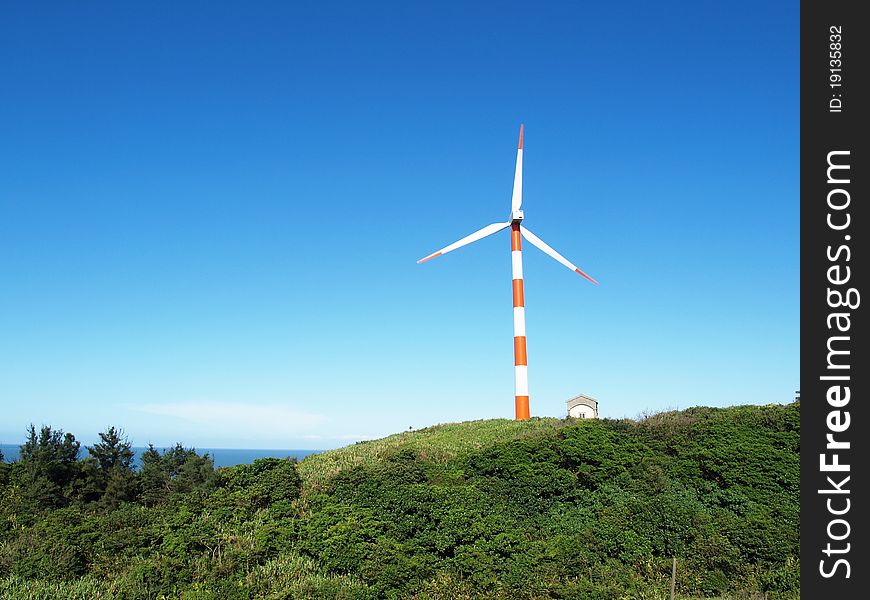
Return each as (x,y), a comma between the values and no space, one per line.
(479,234)
(542,245)
(517,198)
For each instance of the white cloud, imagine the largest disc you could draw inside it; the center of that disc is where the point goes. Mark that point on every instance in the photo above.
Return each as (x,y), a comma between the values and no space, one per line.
(262,419)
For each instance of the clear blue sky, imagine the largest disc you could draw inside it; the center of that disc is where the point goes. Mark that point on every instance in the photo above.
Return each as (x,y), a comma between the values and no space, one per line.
(210,213)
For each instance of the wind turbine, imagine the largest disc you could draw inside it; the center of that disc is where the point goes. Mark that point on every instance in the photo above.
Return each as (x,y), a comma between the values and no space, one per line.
(521,375)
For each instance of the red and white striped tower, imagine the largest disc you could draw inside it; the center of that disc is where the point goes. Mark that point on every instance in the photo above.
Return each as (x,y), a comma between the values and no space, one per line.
(521,373)
(521,363)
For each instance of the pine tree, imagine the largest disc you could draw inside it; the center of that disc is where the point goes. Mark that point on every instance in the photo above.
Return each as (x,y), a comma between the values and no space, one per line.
(109,469)
(50,465)
(153,478)
(178,470)
(113,450)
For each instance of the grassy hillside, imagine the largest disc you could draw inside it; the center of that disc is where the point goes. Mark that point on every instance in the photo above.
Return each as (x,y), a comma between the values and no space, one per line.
(487,509)
(437,444)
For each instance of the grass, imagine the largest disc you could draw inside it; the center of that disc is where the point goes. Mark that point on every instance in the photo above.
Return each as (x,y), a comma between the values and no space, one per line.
(438,444)
(286,576)
(86,588)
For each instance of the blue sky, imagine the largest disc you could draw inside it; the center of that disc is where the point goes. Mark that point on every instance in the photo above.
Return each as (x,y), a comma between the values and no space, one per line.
(210,213)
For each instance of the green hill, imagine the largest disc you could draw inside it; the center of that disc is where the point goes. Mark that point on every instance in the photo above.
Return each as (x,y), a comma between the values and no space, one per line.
(487,509)
(437,444)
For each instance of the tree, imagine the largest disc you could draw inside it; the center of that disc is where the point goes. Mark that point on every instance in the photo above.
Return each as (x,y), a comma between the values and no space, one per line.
(108,471)
(50,464)
(190,471)
(178,470)
(153,478)
(113,451)
(4,470)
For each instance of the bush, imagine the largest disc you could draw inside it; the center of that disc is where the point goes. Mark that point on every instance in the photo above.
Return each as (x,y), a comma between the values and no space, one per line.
(493,509)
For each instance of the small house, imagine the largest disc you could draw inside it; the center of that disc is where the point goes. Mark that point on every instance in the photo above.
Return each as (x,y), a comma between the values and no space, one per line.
(583,407)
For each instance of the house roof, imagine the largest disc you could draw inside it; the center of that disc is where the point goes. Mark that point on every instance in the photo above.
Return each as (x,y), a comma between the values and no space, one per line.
(582,400)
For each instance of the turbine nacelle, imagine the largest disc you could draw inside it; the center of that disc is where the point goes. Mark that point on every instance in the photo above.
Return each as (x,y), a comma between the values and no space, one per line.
(516,216)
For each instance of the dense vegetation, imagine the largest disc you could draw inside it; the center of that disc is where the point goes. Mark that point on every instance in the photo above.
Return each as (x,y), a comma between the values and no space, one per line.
(488,509)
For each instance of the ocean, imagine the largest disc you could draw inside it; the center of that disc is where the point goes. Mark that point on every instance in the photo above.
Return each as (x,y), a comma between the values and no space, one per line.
(223,457)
